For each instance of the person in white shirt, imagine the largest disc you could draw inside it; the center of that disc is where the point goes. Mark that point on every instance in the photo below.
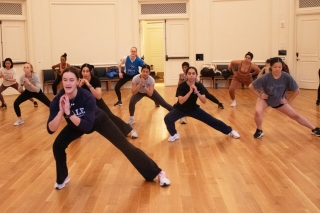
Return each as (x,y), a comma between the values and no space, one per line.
(8,73)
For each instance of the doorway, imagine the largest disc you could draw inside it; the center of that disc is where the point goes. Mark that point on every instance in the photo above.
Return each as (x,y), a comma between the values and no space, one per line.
(165,45)
(308,51)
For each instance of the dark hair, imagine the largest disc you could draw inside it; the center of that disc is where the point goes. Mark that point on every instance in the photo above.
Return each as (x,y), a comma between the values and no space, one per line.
(74,70)
(145,66)
(90,67)
(4,62)
(64,55)
(249,54)
(195,69)
(275,60)
(268,61)
(185,64)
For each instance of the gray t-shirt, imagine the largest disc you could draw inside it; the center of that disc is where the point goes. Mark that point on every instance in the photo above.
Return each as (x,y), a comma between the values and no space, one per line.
(34,80)
(275,88)
(149,81)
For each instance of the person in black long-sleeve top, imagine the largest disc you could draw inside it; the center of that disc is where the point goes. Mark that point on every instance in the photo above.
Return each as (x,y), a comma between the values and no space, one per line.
(91,83)
(83,116)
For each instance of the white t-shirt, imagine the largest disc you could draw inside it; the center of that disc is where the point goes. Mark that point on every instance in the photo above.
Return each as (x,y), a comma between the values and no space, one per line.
(8,74)
(146,84)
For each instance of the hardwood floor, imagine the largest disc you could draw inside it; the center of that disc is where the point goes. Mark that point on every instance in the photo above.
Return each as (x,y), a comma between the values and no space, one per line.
(209,171)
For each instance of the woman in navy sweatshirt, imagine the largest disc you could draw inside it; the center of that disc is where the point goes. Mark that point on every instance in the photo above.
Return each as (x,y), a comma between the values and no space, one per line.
(78,107)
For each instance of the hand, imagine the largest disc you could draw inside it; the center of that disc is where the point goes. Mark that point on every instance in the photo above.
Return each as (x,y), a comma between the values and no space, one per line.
(284,101)
(194,88)
(142,80)
(65,104)
(264,96)
(120,75)
(26,81)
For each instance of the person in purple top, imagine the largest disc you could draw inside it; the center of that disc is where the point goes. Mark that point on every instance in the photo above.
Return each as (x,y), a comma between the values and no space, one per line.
(83,116)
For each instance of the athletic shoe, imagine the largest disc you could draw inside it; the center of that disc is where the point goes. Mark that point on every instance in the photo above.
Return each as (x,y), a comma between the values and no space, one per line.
(316,131)
(173,138)
(157,105)
(234,103)
(61,186)
(119,103)
(318,102)
(234,134)
(183,120)
(163,180)
(18,122)
(3,105)
(220,106)
(134,134)
(258,134)
(131,121)
(35,104)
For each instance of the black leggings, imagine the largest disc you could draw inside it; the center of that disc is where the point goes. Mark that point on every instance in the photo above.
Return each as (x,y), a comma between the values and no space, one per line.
(123,126)
(145,165)
(156,97)
(25,95)
(211,97)
(120,83)
(56,83)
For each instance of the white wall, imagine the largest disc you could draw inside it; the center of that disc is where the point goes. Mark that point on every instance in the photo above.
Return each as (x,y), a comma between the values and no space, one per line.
(101,32)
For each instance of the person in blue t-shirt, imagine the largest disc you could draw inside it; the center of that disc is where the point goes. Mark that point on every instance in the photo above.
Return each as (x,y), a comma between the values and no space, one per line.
(132,63)
(78,107)
(271,90)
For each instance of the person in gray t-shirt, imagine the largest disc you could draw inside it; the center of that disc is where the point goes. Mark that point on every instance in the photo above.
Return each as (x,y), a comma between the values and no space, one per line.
(143,86)
(271,91)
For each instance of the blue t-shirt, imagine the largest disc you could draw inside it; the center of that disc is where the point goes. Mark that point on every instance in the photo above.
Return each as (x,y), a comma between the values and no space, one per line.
(275,88)
(132,67)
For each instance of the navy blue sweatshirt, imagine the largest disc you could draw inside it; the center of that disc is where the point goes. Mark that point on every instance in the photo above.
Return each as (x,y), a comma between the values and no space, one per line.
(83,105)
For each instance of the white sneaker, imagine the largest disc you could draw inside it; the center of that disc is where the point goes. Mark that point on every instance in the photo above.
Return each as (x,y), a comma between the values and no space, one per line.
(234,103)
(18,122)
(183,120)
(134,134)
(131,121)
(163,180)
(173,138)
(61,186)
(234,134)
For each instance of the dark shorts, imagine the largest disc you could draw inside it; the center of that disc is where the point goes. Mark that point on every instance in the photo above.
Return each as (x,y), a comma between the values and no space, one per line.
(280,105)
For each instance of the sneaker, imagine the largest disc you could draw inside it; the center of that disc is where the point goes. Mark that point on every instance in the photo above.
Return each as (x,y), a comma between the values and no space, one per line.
(259,133)
(316,131)
(234,134)
(318,102)
(234,103)
(35,104)
(134,134)
(183,120)
(4,105)
(18,122)
(173,138)
(220,106)
(131,121)
(61,186)
(157,105)
(119,103)
(163,180)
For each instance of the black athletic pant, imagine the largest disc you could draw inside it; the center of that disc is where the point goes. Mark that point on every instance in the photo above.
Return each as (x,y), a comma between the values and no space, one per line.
(123,126)
(120,83)
(145,165)
(56,83)
(25,95)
